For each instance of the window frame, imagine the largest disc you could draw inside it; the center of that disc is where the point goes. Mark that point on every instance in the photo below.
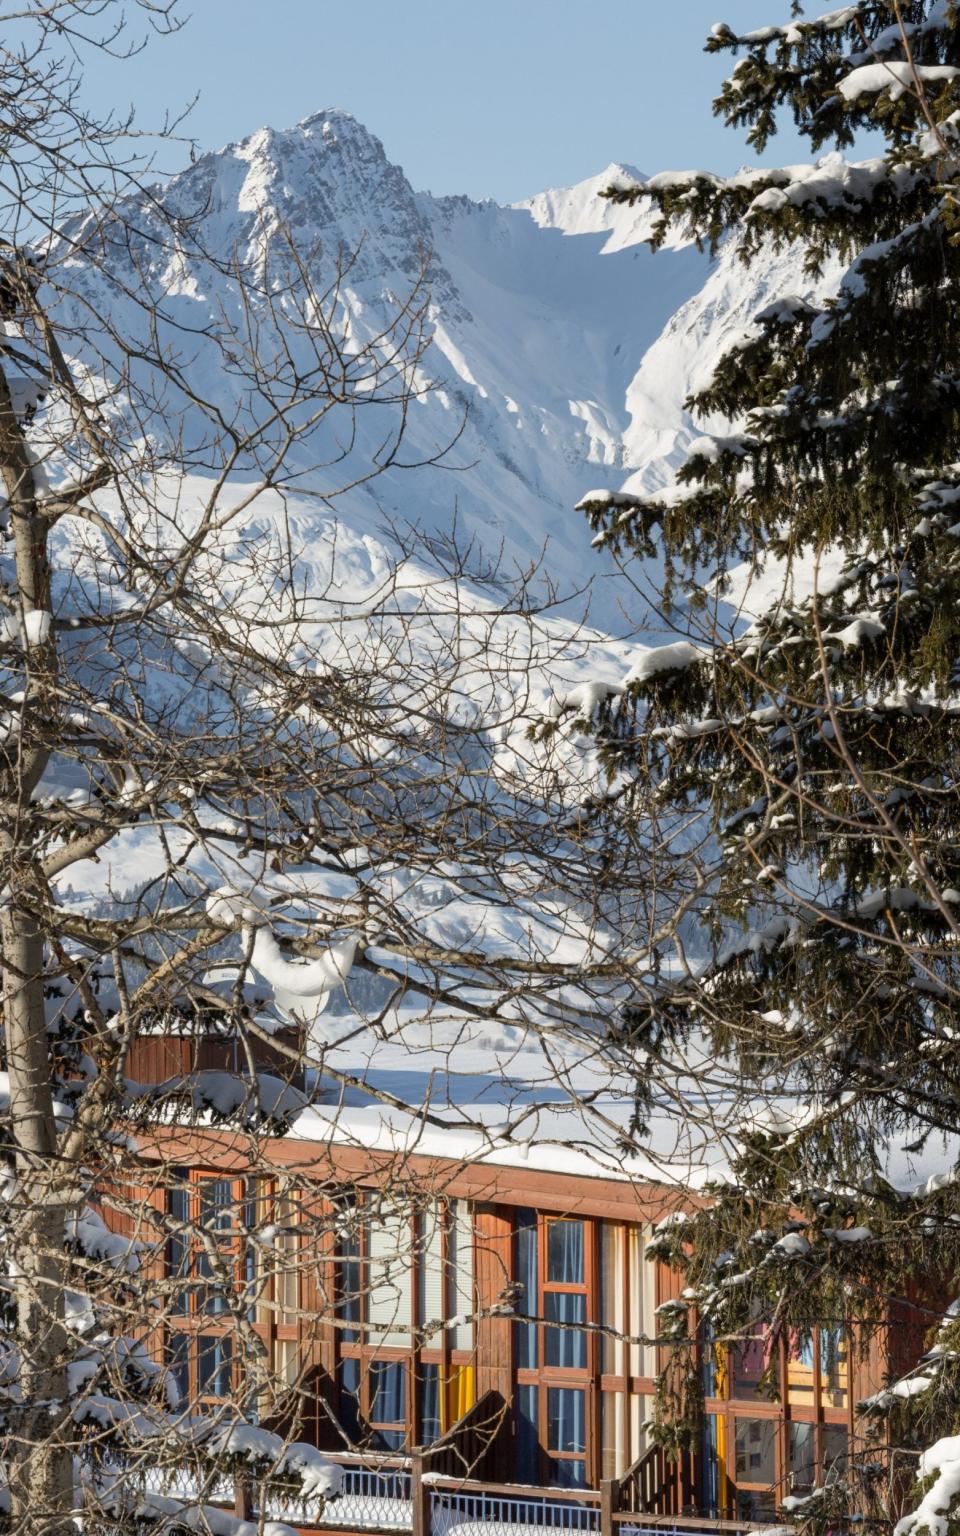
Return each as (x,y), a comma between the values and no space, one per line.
(417,1354)
(544,1378)
(186,1325)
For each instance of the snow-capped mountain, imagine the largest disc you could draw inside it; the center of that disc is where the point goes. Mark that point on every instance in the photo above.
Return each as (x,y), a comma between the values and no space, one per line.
(562,346)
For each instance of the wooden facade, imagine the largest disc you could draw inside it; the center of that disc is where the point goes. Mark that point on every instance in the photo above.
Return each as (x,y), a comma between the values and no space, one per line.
(495,1311)
(488,1319)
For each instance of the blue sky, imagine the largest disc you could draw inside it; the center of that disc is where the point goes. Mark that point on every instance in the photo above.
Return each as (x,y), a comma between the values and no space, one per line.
(495,98)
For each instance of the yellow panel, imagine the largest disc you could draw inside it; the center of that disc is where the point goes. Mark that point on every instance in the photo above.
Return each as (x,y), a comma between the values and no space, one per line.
(723,1491)
(459,1393)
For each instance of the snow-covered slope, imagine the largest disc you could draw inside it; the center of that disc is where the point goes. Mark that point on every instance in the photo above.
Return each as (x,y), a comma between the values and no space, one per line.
(568,345)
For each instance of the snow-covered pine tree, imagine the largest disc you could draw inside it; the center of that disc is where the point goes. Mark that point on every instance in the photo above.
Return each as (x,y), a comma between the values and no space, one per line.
(810,715)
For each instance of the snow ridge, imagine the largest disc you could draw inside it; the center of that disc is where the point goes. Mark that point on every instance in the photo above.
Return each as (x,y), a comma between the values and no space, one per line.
(566,342)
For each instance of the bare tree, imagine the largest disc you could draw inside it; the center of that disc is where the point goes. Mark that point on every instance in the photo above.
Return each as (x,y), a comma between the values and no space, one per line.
(313,787)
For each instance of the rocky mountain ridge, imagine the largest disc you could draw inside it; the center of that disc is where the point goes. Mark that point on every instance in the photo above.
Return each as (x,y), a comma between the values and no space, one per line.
(560,348)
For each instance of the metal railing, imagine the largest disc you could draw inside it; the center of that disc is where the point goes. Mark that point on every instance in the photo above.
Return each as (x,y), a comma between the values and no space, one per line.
(507,1511)
(372,1498)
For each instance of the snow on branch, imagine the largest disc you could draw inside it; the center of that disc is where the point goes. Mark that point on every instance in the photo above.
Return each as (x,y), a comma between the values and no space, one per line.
(894,76)
(658,660)
(302,978)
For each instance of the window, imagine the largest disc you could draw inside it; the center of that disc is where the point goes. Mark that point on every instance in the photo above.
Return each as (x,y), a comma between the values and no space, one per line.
(835,1450)
(823,1351)
(567,1436)
(205,1257)
(216,1271)
(803,1459)
(405,1304)
(756,1452)
(555,1248)
(556,1267)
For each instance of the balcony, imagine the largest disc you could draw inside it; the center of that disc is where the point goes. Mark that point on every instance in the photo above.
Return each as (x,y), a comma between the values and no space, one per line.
(395,1494)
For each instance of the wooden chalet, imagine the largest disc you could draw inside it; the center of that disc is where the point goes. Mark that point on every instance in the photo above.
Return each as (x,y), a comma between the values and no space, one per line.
(464,1338)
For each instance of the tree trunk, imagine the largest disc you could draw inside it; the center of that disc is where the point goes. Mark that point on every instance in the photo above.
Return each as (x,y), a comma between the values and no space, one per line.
(39,1459)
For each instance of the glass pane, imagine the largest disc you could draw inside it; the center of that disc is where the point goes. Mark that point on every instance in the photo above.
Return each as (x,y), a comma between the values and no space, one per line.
(565,1252)
(254,1212)
(429,1404)
(800,1370)
(349,1398)
(527,1277)
(803,1458)
(755,1450)
(388,1380)
(287,1258)
(568,1474)
(567,1346)
(834,1452)
(214,1359)
(348,1299)
(430,1269)
(460,1277)
(216,1205)
(178,1363)
(390,1279)
(755,1508)
(566,1419)
(833,1366)
(178,1248)
(751,1359)
(528,1436)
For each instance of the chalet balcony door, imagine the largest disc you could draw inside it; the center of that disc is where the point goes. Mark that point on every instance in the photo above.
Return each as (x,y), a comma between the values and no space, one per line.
(556,1394)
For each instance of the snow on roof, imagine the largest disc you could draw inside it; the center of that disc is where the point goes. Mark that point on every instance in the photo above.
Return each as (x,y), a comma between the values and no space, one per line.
(440,1085)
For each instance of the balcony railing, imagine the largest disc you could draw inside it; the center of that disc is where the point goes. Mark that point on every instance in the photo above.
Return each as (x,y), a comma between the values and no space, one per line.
(455,1507)
(376,1496)
(395,1494)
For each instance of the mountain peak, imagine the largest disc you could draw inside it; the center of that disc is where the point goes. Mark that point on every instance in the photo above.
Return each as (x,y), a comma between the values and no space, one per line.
(580,210)
(619,170)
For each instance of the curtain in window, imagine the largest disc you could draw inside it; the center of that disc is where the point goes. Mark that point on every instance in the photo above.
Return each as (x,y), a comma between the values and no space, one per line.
(214,1358)
(387,1397)
(528,1436)
(565,1253)
(566,1419)
(565,1347)
(429,1404)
